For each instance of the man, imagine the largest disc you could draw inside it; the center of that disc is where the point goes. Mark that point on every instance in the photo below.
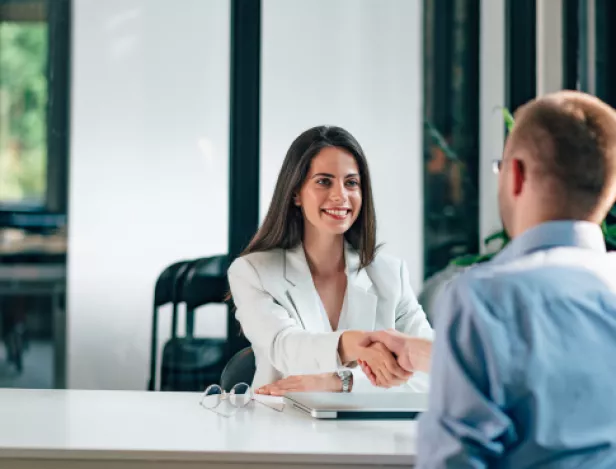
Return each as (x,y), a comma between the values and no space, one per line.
(524,363)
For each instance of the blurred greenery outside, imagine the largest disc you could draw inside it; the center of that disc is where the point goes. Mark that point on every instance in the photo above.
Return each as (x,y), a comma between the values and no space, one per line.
(23,112)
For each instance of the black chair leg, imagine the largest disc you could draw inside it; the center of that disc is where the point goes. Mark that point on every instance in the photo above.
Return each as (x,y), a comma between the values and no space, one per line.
(174,321)
(153,343)
(190,323)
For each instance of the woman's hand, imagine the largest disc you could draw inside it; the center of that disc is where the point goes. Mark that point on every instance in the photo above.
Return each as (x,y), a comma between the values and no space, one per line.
(325,382)
(381,367)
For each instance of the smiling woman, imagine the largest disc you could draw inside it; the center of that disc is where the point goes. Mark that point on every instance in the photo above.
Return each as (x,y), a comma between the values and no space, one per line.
(311,282)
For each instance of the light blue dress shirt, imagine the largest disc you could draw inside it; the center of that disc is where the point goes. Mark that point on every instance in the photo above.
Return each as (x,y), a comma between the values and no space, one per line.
(524,360)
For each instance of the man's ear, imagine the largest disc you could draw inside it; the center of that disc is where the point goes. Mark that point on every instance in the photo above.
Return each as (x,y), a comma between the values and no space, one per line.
(518,173)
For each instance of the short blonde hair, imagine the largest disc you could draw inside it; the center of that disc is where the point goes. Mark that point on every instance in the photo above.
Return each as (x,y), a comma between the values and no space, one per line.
(572,138)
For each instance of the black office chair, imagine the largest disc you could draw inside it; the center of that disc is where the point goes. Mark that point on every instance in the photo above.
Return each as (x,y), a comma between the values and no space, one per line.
(205,283)
(240,369)
(165,292)
(192,363)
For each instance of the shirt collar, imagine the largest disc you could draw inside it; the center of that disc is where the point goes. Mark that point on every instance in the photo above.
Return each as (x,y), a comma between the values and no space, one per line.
(562,233)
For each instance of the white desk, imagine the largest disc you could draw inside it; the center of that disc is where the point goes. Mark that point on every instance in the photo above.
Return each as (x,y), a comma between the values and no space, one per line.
(132,430)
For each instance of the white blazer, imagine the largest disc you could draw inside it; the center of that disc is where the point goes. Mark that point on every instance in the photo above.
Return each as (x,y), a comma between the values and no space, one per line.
(278,309)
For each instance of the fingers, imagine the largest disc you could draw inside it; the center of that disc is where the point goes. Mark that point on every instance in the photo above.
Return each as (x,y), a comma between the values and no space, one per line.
(396,370)
(383,373)
(263,390)
(383,366)
(391,364)
(375,361)
(281,387)
(366,369)
(384,378)
(299,383)
(282,392)
(368,372)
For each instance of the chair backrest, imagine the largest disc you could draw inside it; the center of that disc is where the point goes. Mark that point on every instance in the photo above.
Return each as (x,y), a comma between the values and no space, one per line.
(205,282)
(168,288)
(165,291)
(240,369)
(164,288)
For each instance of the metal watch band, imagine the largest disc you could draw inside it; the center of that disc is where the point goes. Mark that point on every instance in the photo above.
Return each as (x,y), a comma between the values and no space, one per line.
(345,376)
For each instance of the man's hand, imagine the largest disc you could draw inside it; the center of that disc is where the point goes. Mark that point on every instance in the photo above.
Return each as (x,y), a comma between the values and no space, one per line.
(326,382)
(382,365)
(413,354)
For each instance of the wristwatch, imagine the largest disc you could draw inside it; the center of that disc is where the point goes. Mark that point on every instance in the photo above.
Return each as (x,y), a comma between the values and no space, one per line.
(346,376)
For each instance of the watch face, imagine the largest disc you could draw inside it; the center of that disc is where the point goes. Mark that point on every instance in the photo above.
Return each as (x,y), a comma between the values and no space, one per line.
(344,374)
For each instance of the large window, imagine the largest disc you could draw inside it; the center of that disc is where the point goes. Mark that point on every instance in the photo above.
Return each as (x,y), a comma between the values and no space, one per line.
(23,104)
(451,140)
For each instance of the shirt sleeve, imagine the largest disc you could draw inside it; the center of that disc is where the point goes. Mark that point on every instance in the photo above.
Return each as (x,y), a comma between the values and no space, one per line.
(466,426)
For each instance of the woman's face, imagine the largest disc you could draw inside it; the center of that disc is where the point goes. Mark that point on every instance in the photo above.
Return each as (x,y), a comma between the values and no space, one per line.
(330,197)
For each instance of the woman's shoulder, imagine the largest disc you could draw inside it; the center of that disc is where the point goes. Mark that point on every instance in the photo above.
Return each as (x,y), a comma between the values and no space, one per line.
(386,263)
(389,274)
(262,260)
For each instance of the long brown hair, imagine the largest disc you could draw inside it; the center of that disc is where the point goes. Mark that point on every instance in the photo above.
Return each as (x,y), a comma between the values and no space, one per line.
(283,226)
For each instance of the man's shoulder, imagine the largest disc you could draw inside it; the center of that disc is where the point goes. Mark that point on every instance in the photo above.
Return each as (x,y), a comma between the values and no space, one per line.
(489,287)
(553,272)
(488,275)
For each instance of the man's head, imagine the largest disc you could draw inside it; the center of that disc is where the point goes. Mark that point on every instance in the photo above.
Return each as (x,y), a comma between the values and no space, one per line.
(559,162)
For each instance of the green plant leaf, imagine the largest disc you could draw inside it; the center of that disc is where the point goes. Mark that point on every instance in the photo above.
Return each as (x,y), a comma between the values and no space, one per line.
(465,261)
(502,235)
(509,120)
(609,231)
(610,240)
(613,211)
(470,259)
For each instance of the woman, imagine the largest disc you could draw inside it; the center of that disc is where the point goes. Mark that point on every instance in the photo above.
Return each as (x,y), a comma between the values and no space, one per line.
(311,281)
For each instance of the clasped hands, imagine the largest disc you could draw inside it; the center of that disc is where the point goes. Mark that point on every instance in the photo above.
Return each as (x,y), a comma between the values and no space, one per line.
(383,359)
(388,358)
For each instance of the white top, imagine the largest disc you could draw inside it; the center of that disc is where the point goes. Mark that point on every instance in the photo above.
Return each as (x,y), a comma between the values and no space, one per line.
(128,425)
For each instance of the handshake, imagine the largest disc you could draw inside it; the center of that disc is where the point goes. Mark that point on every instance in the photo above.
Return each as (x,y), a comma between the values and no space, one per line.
(388,358)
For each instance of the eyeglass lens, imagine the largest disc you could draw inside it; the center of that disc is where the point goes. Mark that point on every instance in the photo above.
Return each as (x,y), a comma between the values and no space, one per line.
(240,395)
(212,396)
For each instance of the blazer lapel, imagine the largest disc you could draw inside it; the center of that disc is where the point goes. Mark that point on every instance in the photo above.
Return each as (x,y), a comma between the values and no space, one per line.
(360,311)
(301,291)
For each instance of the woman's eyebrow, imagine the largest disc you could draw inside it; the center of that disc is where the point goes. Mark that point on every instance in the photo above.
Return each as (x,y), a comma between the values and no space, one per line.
(328,175)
